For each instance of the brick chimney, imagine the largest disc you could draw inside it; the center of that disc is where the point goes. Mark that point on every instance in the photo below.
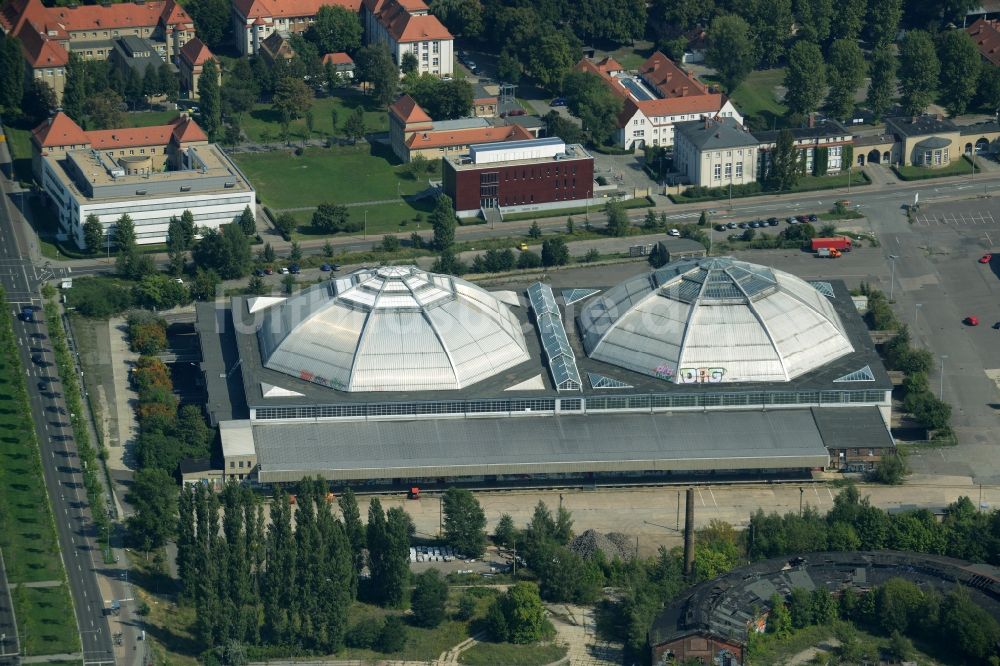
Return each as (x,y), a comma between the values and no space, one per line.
(684,91)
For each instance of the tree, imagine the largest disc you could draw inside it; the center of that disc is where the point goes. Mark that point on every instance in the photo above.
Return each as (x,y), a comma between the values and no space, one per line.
(336,29)
(392,638)
(75,90)
(442,100)
(211,17)
(151,82)
(464,522)
(535,231)
(509,69)
(354,127)
(104,111)
(374,65)
(784,171)
(442,220)
(39,101)
(461,17)
(800,608)
(353,528)
(890,470)
(295,254)
(805,78)
(849,19)
(528,259)
(153,495)
(960,67)
(292,98)
(590,100)
(846,72)
(449,264)
(615,21)
(332,218)
(205,284)
(11,72)
(918,71)
(729,50)
(285,224)
(517,616)
(551,57)
(390,243)
(209,98)
(93,234)
(815,18)
(883,21)
(505,533)
(779,621)
(169,85)
(974,631)
(770,24)
(554,252)
(882,88)
(247,223)
(124,233)
(618,222)
(429,598)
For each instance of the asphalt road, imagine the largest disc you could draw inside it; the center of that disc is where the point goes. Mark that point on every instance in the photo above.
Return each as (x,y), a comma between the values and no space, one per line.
(60,463)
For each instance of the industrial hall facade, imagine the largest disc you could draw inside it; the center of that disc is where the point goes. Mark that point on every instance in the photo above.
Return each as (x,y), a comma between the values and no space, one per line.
(708,368)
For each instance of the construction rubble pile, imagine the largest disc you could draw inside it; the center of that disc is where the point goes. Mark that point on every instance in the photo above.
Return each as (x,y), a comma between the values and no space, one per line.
(612,545)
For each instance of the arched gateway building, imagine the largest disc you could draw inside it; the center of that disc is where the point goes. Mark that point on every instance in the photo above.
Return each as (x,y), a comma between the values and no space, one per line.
(705,368)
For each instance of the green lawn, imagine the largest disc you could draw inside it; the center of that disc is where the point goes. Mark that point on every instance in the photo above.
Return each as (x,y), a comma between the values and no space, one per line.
(508,654)
(149,118)
(755,97)
(265,123)
(342,174)
(382,219)
(45,616)
(19,143)
(955,168)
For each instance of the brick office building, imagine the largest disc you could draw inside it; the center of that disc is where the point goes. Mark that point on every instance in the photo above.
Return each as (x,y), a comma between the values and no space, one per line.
(516,176)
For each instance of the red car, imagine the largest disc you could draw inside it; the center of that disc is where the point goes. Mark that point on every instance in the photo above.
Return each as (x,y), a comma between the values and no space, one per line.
(971,320)
(986,258)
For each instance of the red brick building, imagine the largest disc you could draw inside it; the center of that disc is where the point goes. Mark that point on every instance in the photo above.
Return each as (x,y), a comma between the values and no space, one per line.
(519,176)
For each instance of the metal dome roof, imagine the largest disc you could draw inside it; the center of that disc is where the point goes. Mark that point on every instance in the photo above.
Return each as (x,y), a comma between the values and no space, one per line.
(714,320)
(395,328)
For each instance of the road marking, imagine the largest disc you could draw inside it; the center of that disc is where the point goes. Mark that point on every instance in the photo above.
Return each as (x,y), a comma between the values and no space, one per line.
(713,497)
(702,497)
(830,492)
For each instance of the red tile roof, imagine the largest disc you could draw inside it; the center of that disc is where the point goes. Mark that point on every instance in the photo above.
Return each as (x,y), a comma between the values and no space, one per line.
(39,50)
(417,28)
(338,59)
(987,38)
(288,8)
(407,110)
(467,137)
(660,72)
(59,130)
(196,53)
(710,103)
(14,13)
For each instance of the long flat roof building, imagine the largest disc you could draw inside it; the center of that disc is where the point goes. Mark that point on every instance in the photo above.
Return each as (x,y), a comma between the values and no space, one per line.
(150,173)
(706,367)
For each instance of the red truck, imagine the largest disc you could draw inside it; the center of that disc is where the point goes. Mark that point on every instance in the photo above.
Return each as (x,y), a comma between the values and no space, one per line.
(842,243)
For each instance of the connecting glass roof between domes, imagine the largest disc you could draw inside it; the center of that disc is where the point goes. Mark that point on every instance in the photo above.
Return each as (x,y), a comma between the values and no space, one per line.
(395,328)
(714,320)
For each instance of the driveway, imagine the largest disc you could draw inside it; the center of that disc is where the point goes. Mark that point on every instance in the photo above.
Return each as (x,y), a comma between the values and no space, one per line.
(575,627)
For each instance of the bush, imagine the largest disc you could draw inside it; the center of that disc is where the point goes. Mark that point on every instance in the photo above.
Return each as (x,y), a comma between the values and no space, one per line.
(528,259)
(429,598)
(467,605)
(390,243)
(392,638)
(364,634)
(147,334)
(98,297)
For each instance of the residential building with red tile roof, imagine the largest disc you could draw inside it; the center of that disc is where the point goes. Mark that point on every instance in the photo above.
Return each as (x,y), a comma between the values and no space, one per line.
(407,26)
(342,63)
(986,34)
(658,95)
(50,33)
(412,132)
(151,173)
(190,64)
(256,20)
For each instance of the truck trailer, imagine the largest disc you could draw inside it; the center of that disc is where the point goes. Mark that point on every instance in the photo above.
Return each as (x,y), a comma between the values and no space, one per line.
(841,243)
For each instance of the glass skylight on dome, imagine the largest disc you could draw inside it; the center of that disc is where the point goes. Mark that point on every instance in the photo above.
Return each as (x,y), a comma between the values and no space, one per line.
(824,288)
(599,381)
(571,296)
(562,361)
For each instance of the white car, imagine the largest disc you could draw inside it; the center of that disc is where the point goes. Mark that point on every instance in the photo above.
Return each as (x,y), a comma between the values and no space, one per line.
(674,232)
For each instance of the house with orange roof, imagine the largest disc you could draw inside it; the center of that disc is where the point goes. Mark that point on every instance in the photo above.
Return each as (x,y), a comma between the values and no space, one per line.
(407,26)
(342,64)
(986,34)
(190,64)
(49,34)
(256,20)
(412,132)
(656,97)
(150,173)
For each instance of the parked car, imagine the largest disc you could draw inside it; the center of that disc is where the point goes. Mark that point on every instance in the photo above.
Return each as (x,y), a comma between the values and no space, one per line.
(971,320)
(986,258)
(335,267)
(743,225)
(259,272)
(721,227)
(674,232)
(802,219)
(813,218)
(325,268)
(773,221)
(731,225)
(558,101)
(268,271)
(294,269)
(791,220)
(284,271)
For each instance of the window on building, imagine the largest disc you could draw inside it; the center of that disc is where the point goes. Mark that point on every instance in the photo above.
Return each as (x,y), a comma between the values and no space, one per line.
(717,172)
(232,464)
(241,464)
(729,170)
(739,169)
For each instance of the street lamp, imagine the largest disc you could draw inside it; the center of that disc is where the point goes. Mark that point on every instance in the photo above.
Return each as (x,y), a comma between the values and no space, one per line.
(892,273)
(916,310)
(944,357)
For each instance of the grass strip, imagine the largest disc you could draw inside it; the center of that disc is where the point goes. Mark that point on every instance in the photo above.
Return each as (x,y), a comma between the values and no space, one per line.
(85,449)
